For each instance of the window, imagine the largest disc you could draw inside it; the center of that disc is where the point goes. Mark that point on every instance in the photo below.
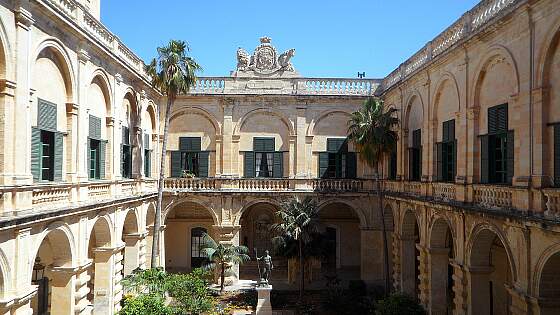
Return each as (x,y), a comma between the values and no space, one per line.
(393,165)
(496,148)
(126,154)
(96,149)
(46,145)
(197,239)
(94,159)
(337,162)
(556,154)
(415,156)
(147,156)
(190,158)
(446,153)
(263,161)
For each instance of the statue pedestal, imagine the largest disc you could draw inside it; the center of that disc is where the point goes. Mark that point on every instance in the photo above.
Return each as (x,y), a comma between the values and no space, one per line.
(263,303)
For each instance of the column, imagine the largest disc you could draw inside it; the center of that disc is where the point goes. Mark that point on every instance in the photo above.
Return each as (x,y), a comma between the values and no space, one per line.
(83,117)
(218,155)
(300,152)
(109,159)
(228,235)
(479,291)
(397,285)
(148,247)
(82,304)
(292,156)
(132,251)
(103,280)
(473,144)
(459,289)
(520,301)
(22,288)
(423,275)
(72,143)
(432,140)
(439,262)
(7,109)
(227,143)
(62,290)
(408,265)
(371,253)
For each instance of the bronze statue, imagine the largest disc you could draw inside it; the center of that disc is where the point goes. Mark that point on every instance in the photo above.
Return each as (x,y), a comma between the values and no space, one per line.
(268,267)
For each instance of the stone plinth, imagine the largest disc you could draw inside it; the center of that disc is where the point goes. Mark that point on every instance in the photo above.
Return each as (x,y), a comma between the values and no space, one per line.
(263,303)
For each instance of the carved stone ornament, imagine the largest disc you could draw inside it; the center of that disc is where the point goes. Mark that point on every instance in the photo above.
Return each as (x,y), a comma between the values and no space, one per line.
(265,59)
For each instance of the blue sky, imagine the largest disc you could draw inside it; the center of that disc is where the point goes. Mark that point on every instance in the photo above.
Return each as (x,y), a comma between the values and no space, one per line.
(331,38)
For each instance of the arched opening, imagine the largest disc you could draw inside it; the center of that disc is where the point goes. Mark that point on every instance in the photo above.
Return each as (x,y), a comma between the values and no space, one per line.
(490,274)
(100,252)
(55,285)
(99,135)
(441,271)
(256,222)
(549,288)
(410,264)
(444,137)
(413,140)
(184,220)
(550,112)
(131,239)
(197,239)
(129,141)
(148,145)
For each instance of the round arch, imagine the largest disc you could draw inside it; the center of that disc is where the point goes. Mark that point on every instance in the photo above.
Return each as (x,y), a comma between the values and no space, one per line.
(437,234)
(493,52)
(445,77)
(130,95)
(248,205)
(360,214)
(321,116)
(191,199)
(5,275)
(410,101)
(152,112)
(547,254)
(409,220)
(61,236)
(102,228)
(64,61)
(269,111)
(197,111)
(546,51)
(101,76)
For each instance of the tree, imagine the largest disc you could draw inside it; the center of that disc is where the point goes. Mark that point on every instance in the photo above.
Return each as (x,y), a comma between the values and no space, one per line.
(299,221)
(372,129)
(151,281)
(145,304)
(172,73)
(222,256)
(399,304)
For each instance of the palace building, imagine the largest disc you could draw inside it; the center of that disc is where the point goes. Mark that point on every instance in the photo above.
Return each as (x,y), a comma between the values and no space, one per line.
(472,204)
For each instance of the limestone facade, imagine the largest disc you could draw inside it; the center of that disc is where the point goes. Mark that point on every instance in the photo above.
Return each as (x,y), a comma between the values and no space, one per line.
(468,242)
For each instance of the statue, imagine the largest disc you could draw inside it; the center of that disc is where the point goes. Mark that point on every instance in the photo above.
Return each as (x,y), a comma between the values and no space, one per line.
(243,59)
(284,60)
(268,267)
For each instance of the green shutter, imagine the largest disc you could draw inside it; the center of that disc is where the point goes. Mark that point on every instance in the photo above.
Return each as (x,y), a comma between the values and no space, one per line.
(337,145)
(146,141)
(439,161)
(351,165)
(510,155)
(557,155)
(264,144)
(125,135)
(58,156)
(122,161)
(277,167)
(36,153)
(448,131)
(498,119)
(102,152)
(191,144)
(147,163)
(249,164)
(203,162)
(484,162)
(420,164)
(454,160)
(89,157)
(410,164)
(94,127)
(46,115)
(176,169)
(323,164)
(393,165)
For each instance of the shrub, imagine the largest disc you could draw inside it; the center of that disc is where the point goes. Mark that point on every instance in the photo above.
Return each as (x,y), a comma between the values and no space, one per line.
(190,292)
(145,304)
(399,304)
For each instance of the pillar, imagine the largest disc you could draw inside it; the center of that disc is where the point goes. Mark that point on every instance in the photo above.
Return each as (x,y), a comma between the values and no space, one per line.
(300,152)
(473,145)
(439,262)
(117,277)
(408,266)
(132,251)
(62,284)
(227,139)
(103,280)
(228,235)
(479,293)
(110,150)
(423,275)
(459,289)
(520,301)
(371,256)
(82,289)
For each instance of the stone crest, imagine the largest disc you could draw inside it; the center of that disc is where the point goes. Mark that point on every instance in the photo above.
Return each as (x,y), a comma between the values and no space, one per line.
(265,59)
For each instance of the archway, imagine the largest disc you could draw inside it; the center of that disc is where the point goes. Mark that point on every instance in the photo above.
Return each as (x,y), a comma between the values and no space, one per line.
(180,223)
(549,289)
(490,273)
(410,264)
(100,252)
(129,140)
(131,239)
(51,274)
(413,139)
(441,272)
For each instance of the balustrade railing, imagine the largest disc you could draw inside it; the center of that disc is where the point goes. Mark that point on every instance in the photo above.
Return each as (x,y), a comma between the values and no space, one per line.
(338,185)
(99,191)
(391,186)
(413,188)
(190,183)
(264,184)
(51,196)
(444,191)
(493,197)
(552,196)
(325,86)
(468,24)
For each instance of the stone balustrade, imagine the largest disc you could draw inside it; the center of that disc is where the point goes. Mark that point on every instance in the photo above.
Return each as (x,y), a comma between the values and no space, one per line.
(413,188)
(444,191)
(338,185)
(334,86)
(193,184)
(392,186)
(493,197)
(467,25)
(552,196)
(15,199)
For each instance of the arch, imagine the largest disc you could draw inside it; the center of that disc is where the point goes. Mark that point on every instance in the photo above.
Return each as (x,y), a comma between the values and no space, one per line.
(5,275)
(269,111)
(130,223)
(102,229)
(192,199)
(59,235)
(152,112)
(546,51)
(64,61)
(150,214)
(248,205)
(438,230)
(540,265)
(389,216)
(414,94)
(492,52)
(130,95)
(409,220)
(321,116)
(445,77)
(5,53)
(331,201)
(197,111)
(482,235)
(102,77)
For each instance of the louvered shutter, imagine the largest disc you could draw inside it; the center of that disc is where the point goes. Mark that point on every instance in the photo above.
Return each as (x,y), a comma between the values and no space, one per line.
(556,158)
(264,144)
(484,161)
(58,155)
(351,165)
(89,157)
(46,115)
(277,168)
(510,155)
(393,166)
(323,164)
(36,153)
(454,160)
(203,162)
(94,127)
(410,163)
(337,145)
(439,161)
(492,120)
(176,168)
(502,118)
(146,141)
(420,163)
(249,164)
(102,152)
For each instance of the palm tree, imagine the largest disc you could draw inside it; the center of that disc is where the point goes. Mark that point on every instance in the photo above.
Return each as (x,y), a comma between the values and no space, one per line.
(372,129)
(299,220)
(172,73)
(222,256)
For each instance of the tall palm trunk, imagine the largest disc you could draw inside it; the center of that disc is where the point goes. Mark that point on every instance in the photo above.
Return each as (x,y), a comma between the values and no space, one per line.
(384,237)
(155,261)
(301,270)
(222,277)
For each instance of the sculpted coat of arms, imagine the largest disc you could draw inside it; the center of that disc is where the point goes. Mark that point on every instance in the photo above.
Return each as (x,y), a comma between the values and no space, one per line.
(265,59)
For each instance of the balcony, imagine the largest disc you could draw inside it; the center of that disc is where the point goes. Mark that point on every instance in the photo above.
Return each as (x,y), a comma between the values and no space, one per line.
(257,185)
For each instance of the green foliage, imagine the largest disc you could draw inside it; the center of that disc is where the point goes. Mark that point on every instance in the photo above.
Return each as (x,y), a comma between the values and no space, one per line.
(190,292)
(145,304)
(151,281)
(399,304)
(299,219)
(222,257)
